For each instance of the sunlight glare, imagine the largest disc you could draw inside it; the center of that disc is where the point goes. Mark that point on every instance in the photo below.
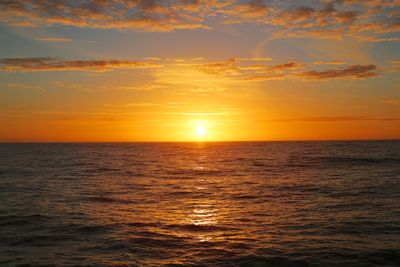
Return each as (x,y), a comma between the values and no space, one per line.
(200,129)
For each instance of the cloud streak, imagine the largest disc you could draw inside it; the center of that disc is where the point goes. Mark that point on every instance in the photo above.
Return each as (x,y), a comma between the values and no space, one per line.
(54,39)
(235,69)
(291,70)
(334,119)
(57,64)
(352,72)
(25,86)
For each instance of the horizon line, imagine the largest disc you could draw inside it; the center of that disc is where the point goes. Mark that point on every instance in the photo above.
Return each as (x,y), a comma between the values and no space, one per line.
(205,141)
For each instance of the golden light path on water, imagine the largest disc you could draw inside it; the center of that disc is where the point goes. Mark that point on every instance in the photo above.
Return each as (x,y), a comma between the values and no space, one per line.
(192,201)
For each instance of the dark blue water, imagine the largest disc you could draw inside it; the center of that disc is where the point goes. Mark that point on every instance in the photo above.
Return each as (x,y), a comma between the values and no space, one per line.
(212,204)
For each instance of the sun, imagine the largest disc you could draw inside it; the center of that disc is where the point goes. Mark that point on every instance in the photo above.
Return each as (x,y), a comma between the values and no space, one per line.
(201,129)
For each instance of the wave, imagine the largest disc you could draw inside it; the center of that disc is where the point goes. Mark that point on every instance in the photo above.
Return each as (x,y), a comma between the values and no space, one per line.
(198,227)
(14,220)
(358,160)
(255,260)
(103,199)
(262,204)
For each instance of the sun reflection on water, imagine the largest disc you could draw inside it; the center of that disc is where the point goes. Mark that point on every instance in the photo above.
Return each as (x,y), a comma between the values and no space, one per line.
(203,215)
(204,211)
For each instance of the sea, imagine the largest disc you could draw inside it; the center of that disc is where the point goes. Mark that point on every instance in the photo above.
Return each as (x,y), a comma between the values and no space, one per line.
(200,204)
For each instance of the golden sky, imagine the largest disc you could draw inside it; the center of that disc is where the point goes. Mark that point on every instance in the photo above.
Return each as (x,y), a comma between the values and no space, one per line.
(199,70)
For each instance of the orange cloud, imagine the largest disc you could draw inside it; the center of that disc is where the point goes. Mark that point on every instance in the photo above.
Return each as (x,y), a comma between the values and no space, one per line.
(335,119)
(289,65)
(239,69)
(225,67)
(352,72)
(377,19)
(242,70)
(248,11)
(57,64)
(346,16)
(54,39)
(391,102)
(25,86)
(146,15)
(395,65)
(332,62)
(298,14)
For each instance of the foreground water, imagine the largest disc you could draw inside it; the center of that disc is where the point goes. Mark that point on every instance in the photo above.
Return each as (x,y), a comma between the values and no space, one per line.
(217,204)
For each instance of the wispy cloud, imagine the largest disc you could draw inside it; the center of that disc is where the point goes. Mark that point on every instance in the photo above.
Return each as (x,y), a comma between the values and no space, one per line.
(350,72)
(58,64)
(62,84)
(54,39)
(290,70)
(394,102)
(332,62)
(135,104)
(26,86)
(334,119)
(395,65)
(234,69)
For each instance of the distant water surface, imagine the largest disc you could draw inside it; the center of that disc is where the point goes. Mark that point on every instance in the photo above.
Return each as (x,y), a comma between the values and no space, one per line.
(211,204)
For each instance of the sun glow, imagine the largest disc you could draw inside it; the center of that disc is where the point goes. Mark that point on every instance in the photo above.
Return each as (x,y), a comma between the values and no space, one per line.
(201,129)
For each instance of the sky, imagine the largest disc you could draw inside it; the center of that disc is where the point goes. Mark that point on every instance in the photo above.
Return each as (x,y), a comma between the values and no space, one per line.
(199,70)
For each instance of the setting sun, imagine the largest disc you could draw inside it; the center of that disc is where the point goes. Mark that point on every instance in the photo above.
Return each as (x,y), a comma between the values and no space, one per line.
(200,129)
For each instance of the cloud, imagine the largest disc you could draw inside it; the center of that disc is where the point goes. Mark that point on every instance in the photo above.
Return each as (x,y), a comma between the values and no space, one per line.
(253,9)
(136,105)
(395,65)
(54,39)
(235,66)
(26,86)
(144,15)
(66,85)
(298,14)
(332,62)
(351,72)
(289,65)
(223,67)
(58,64)
(376,19)
(234,69)
(254,59)
(241,70)
(394,102)
(338,19)
(346,16)
(334,119)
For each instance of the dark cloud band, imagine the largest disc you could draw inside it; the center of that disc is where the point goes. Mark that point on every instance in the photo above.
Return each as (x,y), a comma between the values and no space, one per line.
(369,20)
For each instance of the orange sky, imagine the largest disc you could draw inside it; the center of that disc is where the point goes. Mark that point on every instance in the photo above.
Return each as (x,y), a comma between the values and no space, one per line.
(242,70)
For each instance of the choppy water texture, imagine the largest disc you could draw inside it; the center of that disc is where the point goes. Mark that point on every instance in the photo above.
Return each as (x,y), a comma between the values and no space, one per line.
(213,204)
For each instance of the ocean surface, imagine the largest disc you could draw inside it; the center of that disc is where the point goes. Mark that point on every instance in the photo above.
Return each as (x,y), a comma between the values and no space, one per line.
(193,204)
